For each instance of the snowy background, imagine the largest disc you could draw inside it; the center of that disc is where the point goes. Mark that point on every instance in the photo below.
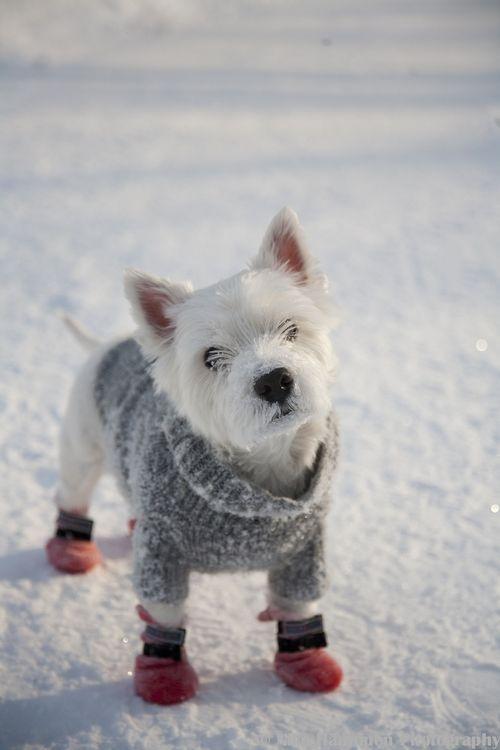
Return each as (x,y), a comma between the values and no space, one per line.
(164,135)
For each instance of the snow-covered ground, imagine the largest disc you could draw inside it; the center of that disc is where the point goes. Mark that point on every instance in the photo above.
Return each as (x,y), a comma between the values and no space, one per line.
(164,135)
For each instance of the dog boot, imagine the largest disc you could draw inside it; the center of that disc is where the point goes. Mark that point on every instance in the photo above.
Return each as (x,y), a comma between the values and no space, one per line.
(72,550)
(302,661)
(163,673)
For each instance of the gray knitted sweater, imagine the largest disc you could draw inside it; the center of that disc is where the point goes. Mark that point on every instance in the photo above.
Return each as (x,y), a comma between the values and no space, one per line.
(193,511)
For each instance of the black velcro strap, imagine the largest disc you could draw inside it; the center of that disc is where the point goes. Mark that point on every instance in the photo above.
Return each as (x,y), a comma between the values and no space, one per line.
(164,642)
(162,650)
(290,645)
(71,526)
(299,635)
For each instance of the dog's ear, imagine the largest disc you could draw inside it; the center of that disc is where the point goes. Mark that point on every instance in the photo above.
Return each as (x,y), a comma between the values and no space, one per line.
(153,302)
(284,247)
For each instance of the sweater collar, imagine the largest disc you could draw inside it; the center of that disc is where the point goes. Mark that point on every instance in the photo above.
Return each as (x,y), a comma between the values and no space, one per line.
(225,491)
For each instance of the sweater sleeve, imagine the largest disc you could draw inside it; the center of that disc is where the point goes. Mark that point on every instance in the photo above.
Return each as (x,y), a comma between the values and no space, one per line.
(303,576)
(160,574)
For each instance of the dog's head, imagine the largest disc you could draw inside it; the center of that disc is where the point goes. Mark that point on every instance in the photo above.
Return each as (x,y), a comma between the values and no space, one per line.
(249,357)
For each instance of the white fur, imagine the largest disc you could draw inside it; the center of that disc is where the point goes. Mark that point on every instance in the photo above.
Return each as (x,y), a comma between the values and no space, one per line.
(81,453)
(245,317)
(85,339)
(170,615)
(290,609)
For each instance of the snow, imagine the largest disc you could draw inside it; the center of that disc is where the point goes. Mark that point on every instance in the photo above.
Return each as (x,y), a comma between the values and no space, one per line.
(164,135)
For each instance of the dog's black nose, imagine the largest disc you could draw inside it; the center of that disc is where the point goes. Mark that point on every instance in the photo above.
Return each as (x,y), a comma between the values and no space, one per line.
(274,386)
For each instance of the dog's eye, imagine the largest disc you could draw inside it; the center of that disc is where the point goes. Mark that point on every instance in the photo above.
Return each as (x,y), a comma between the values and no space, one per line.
(290,330)
(213,358)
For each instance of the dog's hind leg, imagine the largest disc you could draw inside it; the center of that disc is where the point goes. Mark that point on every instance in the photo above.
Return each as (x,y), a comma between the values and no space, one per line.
(81,460)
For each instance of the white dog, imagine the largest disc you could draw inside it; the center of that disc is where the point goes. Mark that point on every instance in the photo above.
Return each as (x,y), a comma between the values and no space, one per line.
(218,427)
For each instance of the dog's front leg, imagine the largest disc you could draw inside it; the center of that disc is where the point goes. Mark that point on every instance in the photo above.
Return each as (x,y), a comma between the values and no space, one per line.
(295,587)
(163,673)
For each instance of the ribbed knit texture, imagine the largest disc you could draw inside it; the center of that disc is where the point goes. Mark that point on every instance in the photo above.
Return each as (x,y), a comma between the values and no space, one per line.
(193,511)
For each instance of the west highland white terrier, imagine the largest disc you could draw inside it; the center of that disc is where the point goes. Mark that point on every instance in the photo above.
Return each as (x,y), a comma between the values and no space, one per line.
(216,421)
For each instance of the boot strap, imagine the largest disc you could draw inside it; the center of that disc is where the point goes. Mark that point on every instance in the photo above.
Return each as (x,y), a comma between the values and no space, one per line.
(163,642)
(71,526)
(299,635)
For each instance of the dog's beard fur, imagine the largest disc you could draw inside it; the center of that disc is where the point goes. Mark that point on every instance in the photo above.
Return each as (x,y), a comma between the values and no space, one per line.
(246,319)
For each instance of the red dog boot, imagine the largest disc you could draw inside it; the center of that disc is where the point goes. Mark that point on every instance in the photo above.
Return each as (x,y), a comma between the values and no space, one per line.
(302,661)
(164,680)
(313,670)
(72,550)
(163,673)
